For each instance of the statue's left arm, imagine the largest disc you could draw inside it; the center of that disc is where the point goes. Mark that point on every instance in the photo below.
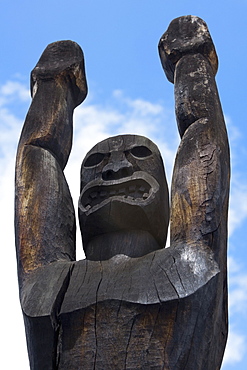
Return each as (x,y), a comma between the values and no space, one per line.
(200,186)
(199,198)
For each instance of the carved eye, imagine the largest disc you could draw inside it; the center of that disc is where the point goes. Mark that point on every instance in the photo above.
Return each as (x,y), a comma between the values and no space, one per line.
(140,151)
(94,159)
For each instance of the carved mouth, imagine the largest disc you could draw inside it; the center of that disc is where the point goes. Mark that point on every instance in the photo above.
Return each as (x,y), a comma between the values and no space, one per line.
(131,190)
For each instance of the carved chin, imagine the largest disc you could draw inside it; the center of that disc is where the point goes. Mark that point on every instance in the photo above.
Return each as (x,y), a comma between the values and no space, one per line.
(138,189)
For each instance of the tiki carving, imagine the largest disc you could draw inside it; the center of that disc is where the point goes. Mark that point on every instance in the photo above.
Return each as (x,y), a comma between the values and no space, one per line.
(131,303)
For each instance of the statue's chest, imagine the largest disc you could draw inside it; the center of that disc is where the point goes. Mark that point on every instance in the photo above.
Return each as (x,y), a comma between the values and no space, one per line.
(116,335)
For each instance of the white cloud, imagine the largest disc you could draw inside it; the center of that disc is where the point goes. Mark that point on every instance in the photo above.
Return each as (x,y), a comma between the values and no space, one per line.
(235,348)
(10,124)
(238,288)
(13,90)
(233,131)
(238,195)
(238,205)
(140,107)
(237,341)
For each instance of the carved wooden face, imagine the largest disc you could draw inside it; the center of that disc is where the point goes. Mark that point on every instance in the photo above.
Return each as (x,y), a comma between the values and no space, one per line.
(123,187)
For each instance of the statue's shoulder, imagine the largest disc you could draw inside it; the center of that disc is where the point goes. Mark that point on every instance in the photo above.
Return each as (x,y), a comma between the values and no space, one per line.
(160,276)
(44,288)
(188,266)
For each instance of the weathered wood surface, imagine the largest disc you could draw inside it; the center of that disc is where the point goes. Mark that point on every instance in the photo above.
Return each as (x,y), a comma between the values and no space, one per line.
(45,221)
(131,304)
(121,191)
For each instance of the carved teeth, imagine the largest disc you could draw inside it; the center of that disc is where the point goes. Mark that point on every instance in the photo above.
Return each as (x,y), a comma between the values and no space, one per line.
(135,192)
(142,189)
(138,192)
(132,188)
(94,195)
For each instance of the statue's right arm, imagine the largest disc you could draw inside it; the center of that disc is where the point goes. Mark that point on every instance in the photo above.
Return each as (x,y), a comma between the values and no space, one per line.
(44,212)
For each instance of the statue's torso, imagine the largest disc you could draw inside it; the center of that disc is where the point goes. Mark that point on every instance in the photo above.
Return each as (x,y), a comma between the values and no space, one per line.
(122,313)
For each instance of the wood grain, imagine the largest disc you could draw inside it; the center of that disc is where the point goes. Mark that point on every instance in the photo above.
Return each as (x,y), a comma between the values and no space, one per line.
(131,304)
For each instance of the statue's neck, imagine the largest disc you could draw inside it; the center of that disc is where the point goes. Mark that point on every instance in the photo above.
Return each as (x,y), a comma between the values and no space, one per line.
(132,243)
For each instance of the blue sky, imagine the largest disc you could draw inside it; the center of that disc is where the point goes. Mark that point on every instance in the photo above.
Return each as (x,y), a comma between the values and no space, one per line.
(128,93)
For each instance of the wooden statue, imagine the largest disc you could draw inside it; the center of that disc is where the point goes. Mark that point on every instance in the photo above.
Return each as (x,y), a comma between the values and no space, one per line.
(131,304)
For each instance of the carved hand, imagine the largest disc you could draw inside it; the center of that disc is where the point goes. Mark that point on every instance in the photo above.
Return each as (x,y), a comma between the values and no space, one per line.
(186,35)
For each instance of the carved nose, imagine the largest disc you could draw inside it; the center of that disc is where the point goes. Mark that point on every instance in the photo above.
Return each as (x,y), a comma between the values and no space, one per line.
(117,168)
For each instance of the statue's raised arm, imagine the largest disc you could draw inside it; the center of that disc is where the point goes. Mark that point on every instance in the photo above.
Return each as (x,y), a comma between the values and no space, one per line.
(200,191)
(45,221)
(200,185)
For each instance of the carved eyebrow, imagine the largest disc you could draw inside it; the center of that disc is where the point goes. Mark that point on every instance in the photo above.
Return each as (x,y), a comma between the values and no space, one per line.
(94,159)
(140,151)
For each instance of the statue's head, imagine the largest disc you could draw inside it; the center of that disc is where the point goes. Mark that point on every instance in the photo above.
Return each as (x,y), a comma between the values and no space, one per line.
(123,188)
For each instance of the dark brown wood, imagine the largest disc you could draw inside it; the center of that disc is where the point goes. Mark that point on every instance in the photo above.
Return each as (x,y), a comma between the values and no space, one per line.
(131,304)
(123,185)
(45,222)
